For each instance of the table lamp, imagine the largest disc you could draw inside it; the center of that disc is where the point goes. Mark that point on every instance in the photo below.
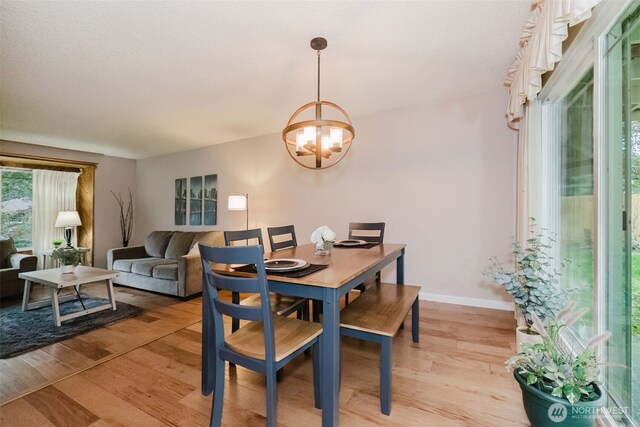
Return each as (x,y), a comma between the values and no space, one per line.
(239,202)
(68,220)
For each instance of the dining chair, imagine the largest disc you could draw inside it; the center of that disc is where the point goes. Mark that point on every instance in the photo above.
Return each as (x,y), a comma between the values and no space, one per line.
(265,344)
(285,230)
(282,305)
(370,232)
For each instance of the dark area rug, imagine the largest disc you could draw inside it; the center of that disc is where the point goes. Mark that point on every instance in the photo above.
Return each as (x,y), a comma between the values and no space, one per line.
(22,331)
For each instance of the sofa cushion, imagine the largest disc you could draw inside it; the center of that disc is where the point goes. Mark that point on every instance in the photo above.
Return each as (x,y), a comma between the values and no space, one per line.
(157,242)
(125,264)
(7,247)
(179,244)
(145,266)
(167,271)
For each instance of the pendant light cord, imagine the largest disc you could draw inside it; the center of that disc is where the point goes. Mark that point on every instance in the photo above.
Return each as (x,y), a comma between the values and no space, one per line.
(318,76)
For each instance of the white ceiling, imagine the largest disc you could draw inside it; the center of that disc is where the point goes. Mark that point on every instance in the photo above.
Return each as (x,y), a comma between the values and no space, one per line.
(138,78)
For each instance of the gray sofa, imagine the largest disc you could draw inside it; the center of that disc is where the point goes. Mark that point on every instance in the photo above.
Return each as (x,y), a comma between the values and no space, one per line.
(169,262)
(12,264)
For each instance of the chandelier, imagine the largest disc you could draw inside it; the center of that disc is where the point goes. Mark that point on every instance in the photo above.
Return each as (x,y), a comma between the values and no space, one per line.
(319,134)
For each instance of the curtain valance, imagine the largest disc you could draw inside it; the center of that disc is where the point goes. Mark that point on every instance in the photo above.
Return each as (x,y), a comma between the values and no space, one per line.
(540,48)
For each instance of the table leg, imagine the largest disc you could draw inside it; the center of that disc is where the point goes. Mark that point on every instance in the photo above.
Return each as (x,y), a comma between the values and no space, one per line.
(112,298)
(55,306)
(400,269)
(25,295)
(330,358)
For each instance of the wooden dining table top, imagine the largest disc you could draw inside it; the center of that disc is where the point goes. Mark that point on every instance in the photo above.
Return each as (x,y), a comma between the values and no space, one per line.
(345,263)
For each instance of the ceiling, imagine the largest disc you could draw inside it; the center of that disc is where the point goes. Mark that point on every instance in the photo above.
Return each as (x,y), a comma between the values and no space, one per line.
(137,79)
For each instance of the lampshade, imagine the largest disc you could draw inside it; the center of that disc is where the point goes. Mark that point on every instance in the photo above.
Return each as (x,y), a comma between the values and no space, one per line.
(319,134)
(238,202)
(68,219)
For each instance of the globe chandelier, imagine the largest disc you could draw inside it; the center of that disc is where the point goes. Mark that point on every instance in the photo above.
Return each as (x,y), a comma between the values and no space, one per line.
(319,134)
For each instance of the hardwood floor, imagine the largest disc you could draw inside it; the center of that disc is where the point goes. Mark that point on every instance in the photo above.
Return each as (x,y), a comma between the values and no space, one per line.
(146,372)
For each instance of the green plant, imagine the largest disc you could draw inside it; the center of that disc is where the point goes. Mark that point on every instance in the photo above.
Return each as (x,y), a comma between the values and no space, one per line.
(57,242)
(68,256)
(534,281)
(555,369)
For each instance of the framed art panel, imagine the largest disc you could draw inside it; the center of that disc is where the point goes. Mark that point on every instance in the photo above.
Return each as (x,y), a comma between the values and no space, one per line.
(210,199)
(180,214)
(195,201)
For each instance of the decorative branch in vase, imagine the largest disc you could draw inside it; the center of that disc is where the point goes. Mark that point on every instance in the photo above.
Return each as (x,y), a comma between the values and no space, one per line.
(126,217)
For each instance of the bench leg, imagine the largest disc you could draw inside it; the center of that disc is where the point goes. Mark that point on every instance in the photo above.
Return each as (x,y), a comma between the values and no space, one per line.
(415,320)
(385,375)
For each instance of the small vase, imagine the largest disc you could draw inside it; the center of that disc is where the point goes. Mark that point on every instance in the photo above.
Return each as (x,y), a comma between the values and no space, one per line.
(125,243)
(66,269)
(324,248)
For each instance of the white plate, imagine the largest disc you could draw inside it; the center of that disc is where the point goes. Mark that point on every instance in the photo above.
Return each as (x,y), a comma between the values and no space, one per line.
(284,264)
(351,242)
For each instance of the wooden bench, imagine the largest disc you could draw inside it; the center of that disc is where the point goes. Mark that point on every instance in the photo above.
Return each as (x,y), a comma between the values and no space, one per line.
(376,315)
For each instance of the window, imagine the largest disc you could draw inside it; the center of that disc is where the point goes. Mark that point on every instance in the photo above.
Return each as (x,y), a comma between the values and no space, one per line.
(576,204)
(16,219)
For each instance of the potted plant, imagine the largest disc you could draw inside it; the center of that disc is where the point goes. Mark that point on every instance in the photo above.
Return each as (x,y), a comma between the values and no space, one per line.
(68,257)
(57,243)
(533,282)
(559,386)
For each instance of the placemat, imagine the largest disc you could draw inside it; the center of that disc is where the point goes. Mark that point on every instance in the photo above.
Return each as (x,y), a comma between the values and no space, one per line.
(367,246)
(297,273)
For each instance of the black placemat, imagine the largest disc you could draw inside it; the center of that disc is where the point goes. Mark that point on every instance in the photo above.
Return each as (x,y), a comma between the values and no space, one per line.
(367,246)
(297,273)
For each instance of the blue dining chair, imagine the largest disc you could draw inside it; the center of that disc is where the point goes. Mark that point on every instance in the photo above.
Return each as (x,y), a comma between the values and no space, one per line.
(370,232)
(266,343)
(282,305)
(285,230)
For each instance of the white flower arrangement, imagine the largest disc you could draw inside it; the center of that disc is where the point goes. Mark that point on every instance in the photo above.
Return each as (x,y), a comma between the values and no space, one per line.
(323,234)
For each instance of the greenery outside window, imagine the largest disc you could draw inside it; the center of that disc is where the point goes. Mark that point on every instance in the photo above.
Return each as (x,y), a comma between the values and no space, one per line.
(16,219)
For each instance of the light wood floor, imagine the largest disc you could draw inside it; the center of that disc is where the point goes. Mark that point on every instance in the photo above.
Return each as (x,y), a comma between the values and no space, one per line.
(145,371)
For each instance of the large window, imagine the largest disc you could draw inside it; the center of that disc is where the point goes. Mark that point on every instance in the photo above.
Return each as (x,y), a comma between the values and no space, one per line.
(15,219)
(584,163)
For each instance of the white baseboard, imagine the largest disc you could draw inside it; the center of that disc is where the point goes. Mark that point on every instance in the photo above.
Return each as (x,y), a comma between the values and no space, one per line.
(474,302)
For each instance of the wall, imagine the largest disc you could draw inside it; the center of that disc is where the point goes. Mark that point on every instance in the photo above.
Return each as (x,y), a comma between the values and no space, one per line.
(112,174)
(441,176)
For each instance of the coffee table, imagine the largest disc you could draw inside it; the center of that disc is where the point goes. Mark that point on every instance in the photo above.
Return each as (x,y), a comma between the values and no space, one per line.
(56,281)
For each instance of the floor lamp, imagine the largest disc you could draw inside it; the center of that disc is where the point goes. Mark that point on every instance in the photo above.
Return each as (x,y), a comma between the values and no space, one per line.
(239,202)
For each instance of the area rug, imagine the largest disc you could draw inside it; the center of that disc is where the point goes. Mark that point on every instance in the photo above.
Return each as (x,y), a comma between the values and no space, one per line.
(22,331)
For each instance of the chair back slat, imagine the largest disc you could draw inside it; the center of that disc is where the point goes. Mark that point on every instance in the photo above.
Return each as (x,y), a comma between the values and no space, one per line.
(235,284)
(281,231)
(248,235)
(238,311)
(372,232)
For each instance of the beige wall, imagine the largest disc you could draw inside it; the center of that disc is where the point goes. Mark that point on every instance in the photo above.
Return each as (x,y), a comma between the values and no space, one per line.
(441,176)
(112,174)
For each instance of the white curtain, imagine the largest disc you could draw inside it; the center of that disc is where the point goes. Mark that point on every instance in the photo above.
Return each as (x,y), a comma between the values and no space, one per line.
(541,47)
(53,191)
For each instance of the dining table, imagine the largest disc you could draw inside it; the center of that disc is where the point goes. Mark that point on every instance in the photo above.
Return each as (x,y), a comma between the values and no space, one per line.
(346,268)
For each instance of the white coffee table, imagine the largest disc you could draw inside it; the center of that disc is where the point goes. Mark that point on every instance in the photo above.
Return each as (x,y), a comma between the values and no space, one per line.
(57,281)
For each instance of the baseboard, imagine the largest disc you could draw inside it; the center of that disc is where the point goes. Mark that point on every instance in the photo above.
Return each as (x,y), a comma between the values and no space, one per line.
(474,302)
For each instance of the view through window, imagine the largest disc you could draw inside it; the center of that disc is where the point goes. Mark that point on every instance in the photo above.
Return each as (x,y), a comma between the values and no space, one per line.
(15,199)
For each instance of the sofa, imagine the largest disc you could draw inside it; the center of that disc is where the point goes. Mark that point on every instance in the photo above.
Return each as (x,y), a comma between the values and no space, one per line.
(11,264)
(168,262)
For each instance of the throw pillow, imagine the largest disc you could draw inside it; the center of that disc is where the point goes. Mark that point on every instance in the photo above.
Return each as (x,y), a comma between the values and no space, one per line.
(7,247)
